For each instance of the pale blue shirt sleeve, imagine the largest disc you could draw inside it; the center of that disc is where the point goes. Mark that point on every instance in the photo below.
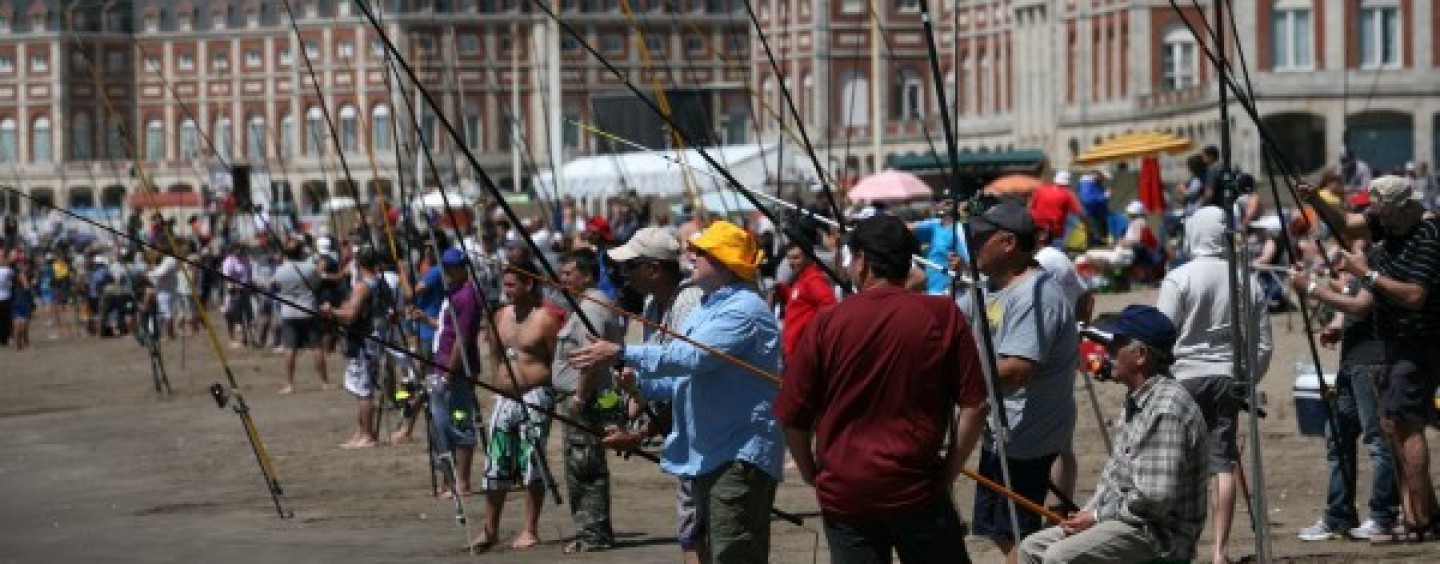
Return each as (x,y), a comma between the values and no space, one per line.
(658,389)
(727,330)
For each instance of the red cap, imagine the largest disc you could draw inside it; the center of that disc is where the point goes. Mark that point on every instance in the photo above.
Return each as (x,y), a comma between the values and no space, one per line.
(1360,199)
(598,226)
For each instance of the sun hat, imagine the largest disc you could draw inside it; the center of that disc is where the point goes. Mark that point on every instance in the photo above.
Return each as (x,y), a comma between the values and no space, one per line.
(731,246)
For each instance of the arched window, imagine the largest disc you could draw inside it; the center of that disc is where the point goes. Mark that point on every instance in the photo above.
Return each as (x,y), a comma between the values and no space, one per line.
(807,98)
(80,139)
(380,134)
(315,131)
(40,141)
(349,129)
(223,136)
(154,140)
(189,139)
(287,135)
(9,142)
(909,101)
(255,138)
(1177,60)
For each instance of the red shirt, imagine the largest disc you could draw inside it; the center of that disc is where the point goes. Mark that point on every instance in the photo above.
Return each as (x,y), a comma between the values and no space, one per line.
(1049,205)
(877,377)
(804,298)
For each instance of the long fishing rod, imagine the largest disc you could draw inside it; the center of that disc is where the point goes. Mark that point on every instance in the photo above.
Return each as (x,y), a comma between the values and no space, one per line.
(845,285)
(799,120)
(1000,425)
(218,392)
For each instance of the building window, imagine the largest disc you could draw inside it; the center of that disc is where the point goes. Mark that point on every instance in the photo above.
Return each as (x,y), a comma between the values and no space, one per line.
(807,98)
(855,100)
(380,131)
(737,44)
(115,61)
(569,44)
(287,57)
(255,138)
(472,132)
(154,140)
(115,141)
(1291,31)
(345,50)
(377,48)
(612,43)
(287,135)
(39,63)
(909,97)
(80,136)
(1177,60)
(312,50)
(7,64)
(152,64)
(223,136)
(4,23)
(427,128)
(314,134)
(220,60)
(40,141)
(186,62)
(469,44)
(189,139)
(570,132)
(349,129)
(694,45)
(9,141)
(907,6)
(252,59)
(655,43)
(38,22)
(1379,36)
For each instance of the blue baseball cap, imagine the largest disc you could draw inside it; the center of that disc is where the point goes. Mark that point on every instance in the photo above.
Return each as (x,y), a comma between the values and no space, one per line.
(1142,323)
(453,258)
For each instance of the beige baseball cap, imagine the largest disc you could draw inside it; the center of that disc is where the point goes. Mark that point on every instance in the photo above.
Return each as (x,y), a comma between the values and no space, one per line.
(650,242)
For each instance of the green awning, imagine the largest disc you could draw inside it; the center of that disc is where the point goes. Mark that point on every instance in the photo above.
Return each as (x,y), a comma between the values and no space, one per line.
(1022,158)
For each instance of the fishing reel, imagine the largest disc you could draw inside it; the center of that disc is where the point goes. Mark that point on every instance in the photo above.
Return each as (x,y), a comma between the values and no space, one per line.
(1094,355)
(221,397)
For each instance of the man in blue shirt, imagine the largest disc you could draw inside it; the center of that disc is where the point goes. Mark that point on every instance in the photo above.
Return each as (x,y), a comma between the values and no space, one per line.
(939,235)
(736,463)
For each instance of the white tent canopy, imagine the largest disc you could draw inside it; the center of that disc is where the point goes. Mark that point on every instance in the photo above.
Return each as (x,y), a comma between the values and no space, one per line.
(659,173)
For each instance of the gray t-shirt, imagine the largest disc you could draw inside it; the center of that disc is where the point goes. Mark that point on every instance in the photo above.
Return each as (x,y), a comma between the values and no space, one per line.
(1033,319)
(296,282)
(573,336)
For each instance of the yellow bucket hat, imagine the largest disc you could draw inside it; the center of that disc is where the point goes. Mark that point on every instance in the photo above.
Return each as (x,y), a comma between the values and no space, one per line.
(732,246)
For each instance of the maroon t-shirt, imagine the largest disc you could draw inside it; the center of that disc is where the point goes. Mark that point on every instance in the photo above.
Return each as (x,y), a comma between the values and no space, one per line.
(877,377)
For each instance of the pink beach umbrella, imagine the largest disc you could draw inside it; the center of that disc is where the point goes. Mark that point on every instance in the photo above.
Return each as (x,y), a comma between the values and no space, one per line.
(889,186)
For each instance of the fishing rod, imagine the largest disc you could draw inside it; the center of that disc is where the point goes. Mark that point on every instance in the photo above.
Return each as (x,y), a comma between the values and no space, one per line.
(799,120)
(1000,425)
(845,285)
(222,397)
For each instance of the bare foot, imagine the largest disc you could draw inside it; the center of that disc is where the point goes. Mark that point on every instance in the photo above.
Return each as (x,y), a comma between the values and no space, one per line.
(287,390)
(524,540)
(400,437)
(447,493)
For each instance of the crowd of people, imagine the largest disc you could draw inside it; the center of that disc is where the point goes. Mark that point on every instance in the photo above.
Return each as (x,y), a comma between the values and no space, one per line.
(749,353)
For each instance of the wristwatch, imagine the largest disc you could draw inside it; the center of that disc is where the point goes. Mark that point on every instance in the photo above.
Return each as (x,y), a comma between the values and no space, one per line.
(1371,277)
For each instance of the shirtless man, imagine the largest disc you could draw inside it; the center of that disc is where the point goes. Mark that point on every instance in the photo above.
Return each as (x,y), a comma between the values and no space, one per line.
(525,331)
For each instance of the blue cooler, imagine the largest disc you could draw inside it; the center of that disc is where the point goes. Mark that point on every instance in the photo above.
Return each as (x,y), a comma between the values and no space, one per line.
(1309,406)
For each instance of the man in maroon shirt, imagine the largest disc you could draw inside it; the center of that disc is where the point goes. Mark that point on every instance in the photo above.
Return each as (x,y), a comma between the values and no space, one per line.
(868,398)
(804,296)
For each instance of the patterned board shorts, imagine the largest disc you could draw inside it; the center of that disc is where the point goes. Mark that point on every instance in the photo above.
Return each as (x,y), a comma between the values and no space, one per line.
(362,374)
(517,442)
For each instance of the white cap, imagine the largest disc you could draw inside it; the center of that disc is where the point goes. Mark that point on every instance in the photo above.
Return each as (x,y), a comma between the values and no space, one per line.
(1136,207)
(650,242)
(1062,178)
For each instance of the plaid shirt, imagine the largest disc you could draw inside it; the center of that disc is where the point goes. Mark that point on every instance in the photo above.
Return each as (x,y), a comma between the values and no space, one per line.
(1156,477)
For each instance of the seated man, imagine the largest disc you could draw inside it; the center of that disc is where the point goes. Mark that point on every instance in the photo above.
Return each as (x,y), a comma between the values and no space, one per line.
(1151,499)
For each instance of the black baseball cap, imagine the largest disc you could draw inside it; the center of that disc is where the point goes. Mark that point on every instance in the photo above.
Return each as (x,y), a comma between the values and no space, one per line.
(1013,218)
(884,235)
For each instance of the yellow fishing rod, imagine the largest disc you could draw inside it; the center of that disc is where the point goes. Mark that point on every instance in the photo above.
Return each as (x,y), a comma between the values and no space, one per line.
(222,396)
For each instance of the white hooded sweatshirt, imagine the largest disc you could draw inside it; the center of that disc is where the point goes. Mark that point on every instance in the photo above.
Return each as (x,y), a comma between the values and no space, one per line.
(1196,297)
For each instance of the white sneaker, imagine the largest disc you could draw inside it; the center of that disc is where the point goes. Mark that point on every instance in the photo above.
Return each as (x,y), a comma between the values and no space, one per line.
(1367,529)
(1321,532)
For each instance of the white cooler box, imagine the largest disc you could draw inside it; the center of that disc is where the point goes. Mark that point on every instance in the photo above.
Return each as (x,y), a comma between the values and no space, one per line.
(1309,406)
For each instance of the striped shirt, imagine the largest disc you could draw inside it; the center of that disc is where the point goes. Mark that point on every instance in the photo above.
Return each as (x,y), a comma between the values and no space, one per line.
(1413,258)
(1156,476)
